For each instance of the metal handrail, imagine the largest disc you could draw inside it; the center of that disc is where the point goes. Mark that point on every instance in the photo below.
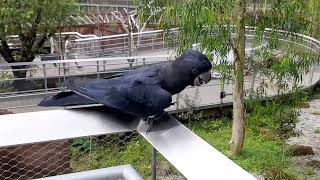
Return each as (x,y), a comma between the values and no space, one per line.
(83,60)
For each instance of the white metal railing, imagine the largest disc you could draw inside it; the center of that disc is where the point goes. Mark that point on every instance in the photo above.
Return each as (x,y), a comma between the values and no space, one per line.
(118,45)
(58,71)
(14,41)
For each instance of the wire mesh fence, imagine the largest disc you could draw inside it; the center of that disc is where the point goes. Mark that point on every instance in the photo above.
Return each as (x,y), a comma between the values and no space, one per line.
(82,154)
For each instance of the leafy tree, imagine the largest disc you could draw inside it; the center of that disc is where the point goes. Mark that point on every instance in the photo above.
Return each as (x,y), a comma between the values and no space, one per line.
(33,21)
(219,26)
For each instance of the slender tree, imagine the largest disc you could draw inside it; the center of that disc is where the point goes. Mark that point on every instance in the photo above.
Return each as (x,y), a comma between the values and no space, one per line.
(219,27)
(238,129)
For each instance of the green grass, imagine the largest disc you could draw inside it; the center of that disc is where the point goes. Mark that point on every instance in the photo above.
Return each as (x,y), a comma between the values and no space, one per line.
(258,155)
(263,152)
(113,152)
(317,130)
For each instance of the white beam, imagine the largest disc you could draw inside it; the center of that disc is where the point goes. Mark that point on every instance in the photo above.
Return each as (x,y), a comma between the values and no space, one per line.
(191,155)
(34,127)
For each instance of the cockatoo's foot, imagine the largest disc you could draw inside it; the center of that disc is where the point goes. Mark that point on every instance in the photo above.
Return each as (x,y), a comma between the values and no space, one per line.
(153,120)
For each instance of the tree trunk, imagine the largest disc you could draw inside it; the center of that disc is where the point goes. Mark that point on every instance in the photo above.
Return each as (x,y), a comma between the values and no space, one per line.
(20,84)
(238,130)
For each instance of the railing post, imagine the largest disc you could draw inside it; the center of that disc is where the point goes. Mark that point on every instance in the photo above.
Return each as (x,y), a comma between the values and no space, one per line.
(163,41)
(45,77)
(59,73)
(253,79)
(104,65)
(143,61)
(177,100)
(152,40)
(154,163)
(312,73)
(98,70)
(64,71)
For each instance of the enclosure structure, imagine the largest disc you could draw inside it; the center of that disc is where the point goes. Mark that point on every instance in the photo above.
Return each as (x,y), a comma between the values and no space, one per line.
(91,150)
(96,56)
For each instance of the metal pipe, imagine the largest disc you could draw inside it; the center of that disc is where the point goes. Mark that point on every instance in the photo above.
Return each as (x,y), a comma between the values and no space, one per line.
(98,70)
(177,100)
(59,74)
(117,172)
(45,77)
(154,163)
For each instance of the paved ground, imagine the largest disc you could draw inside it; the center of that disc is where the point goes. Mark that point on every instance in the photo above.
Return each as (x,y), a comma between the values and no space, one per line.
(309,134)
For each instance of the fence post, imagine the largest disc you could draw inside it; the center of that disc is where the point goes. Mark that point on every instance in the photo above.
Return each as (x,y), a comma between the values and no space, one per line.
(152,41)
(104,66)
(163,41)
(59,74)
(98,70)
(253,79)
(124,46)
(154,163)
(312,73)
(177,101)
(64,71)
(45,77)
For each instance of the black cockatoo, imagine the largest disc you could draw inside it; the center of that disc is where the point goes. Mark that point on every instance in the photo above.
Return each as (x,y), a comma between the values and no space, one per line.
(144,92)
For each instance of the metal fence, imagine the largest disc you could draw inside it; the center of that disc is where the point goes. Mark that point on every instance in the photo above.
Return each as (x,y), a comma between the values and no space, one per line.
(82,154)
(48,77)
(92,152)
(15,43)
(121,45)
(49,143)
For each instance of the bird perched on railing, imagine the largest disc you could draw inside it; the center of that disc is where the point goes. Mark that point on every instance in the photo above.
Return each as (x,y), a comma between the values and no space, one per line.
(144,92)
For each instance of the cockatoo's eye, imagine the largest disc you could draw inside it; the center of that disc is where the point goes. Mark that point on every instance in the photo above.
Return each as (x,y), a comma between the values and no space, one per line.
(206,77)
(202,78)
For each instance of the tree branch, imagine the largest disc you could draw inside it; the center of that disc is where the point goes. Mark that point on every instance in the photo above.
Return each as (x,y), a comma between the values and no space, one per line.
(120,18)
(34,28)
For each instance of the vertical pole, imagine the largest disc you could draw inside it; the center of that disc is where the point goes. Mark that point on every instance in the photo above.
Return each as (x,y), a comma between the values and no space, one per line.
(104,66)
(59,73)
(124,45)
(64,72)
(143,61)
(163,41)
(154,164)
(130,47)
(177,101)
(253,79)
(64,65)
(312,74)
(45,77)
(152,40)
(98,70)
